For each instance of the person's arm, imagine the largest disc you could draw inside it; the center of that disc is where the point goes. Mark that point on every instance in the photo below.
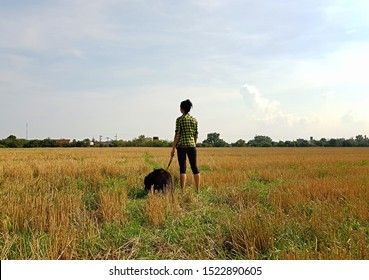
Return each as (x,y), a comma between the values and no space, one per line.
(196,133)
(176,137)
(175,142)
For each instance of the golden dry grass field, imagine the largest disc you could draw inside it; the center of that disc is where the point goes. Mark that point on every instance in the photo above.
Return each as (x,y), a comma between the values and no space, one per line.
(254,203)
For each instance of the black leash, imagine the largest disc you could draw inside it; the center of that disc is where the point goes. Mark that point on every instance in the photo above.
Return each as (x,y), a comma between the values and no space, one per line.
(170,161)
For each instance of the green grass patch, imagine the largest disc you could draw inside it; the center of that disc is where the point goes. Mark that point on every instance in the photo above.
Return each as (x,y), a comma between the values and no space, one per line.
(90,200)
(149,160)
(114,182)
(205,168)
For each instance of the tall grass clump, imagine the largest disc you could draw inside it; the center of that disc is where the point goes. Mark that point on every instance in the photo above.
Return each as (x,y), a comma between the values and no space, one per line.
(160,207)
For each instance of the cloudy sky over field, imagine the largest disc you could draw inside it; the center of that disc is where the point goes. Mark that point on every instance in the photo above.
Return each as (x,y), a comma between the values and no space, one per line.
(83,68)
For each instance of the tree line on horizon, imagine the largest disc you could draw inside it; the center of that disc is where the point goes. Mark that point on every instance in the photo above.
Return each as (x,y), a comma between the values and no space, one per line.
(212,140)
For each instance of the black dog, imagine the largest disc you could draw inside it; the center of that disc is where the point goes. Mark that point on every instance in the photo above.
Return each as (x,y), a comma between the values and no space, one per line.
(161,179)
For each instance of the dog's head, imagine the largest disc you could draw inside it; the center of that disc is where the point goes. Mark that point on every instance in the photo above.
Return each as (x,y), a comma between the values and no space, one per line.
(148,181)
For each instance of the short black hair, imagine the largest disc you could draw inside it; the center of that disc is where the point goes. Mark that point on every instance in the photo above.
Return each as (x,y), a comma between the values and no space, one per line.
(186,105)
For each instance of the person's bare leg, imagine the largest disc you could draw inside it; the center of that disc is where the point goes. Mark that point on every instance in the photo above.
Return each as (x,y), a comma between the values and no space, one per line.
(182,181)
(196,178)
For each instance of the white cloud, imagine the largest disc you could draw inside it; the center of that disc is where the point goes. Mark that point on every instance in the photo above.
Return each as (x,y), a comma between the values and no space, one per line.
(263,104)
(269,111)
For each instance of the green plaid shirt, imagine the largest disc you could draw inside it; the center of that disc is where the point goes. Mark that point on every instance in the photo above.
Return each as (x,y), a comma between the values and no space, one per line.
(186,129)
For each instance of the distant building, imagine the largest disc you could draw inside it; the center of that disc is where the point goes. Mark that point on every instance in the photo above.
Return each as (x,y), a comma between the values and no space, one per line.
(101,143)
(62,141)
(155,138)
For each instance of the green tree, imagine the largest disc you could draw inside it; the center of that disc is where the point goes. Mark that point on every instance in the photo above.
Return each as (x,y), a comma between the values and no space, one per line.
(239,143)
(261,141)
(361,141)
(348,143)
(12,142)
(214,140)
(302,143)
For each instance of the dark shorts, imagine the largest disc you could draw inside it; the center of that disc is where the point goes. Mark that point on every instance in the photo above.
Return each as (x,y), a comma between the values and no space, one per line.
(192,157)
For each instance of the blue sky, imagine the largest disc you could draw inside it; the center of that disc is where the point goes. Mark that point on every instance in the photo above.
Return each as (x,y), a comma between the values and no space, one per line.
(83,68)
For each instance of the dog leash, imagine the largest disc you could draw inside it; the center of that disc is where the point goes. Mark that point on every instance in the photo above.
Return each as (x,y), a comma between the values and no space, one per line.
(170,161)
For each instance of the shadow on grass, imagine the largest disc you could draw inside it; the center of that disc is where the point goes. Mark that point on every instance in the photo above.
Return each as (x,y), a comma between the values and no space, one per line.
(136,193)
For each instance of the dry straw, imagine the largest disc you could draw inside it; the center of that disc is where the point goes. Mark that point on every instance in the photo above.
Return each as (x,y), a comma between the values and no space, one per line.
(253,204)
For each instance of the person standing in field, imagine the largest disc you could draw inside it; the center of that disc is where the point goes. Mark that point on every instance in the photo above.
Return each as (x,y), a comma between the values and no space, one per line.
(185,139)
